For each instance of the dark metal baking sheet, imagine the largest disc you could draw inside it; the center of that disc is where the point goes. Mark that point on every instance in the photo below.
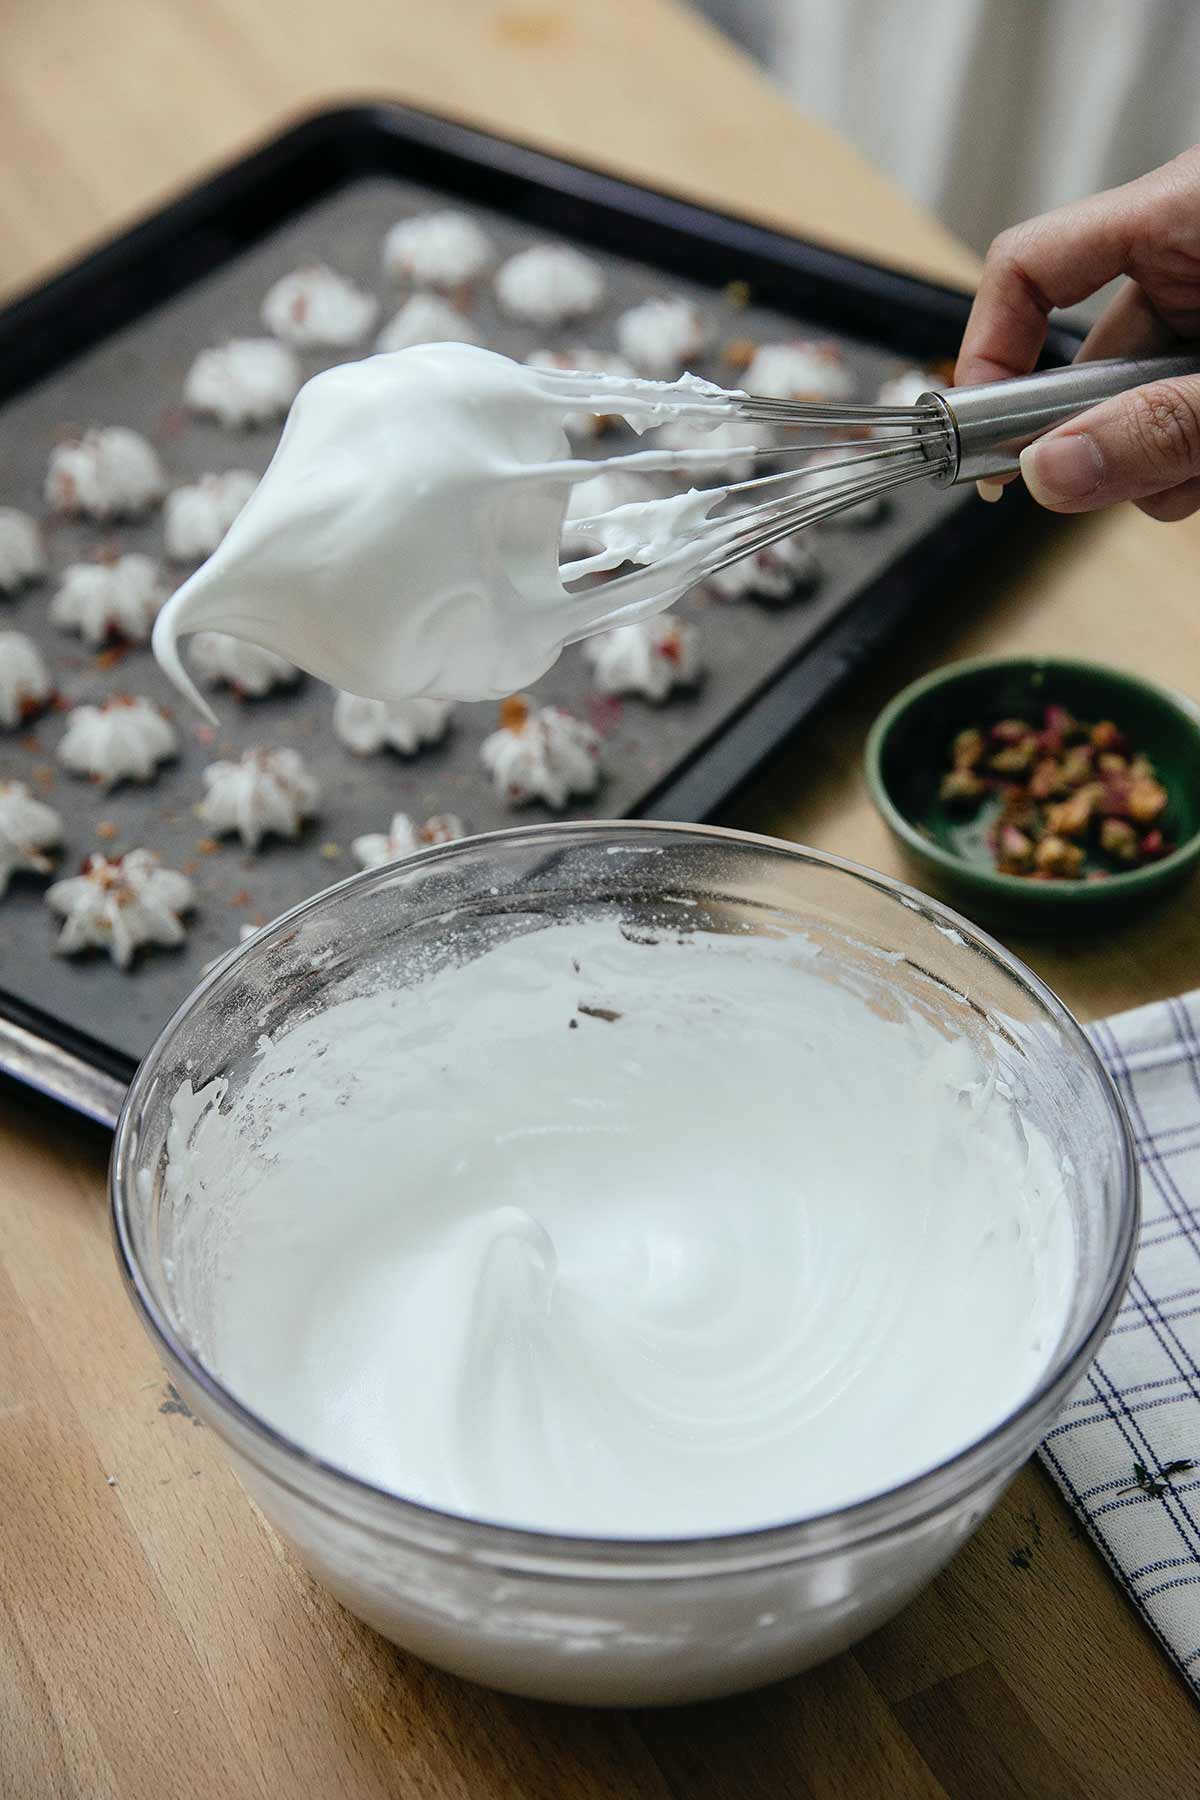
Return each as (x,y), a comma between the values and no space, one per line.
(109,342)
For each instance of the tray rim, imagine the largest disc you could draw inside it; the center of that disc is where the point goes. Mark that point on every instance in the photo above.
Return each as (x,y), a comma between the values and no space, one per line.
(173,245)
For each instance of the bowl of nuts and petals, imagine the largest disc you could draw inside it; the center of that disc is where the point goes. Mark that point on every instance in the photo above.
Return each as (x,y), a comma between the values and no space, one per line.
(1044,793)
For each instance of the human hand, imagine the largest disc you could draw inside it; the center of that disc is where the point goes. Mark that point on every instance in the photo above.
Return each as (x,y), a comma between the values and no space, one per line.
(1144,445)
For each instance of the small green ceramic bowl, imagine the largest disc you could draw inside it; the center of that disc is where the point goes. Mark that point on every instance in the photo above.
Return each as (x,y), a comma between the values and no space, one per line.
(906,756)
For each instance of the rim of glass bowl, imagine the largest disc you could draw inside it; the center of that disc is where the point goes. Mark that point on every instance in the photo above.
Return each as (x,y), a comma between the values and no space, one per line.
(462,1537)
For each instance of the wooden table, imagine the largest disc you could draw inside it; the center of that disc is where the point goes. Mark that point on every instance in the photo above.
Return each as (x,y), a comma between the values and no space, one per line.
(154,1638)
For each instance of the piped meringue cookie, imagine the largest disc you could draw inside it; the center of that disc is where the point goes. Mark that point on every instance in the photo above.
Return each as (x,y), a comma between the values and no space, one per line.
(121,905)
(197,515)
(25,684)
(652,658)
(781,572)
(803,370)
(103,600)
(125,738)
(427,319)
(549,284)
(111,473)
(661,335)
(905,387)
(595,362)
(445,249)
(822,470)
(248,381)
(541,753)
(316,308)
(22,553)
(246,668)
(265,793)
(366,726)
(28,828)
(403,837)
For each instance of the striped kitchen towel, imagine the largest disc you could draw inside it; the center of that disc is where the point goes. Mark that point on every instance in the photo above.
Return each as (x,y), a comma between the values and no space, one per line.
(1126,1450)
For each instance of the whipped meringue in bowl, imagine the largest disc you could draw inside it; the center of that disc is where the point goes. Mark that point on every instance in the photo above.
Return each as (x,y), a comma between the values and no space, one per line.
(625,1262)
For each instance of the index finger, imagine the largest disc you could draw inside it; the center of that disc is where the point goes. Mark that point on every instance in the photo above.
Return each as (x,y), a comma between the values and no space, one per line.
(1055,260)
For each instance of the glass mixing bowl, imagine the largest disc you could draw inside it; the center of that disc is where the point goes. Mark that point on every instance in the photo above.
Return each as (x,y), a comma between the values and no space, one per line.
(588,1619)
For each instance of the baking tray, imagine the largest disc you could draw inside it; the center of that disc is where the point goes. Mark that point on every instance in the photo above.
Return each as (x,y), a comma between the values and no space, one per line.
(108,341)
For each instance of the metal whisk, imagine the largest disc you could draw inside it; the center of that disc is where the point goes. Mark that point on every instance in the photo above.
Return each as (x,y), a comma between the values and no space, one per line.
(946,437)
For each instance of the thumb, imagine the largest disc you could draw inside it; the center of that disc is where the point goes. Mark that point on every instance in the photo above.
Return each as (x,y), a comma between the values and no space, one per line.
(1141,443)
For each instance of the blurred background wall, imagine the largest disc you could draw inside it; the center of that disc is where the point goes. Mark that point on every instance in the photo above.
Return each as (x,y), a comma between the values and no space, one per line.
(988,111)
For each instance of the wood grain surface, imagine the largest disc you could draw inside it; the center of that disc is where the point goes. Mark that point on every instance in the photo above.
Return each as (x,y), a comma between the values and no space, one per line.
(155,1639)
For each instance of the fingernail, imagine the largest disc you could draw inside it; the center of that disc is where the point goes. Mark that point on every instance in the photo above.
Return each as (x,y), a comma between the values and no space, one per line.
(991,491)
(1062,467)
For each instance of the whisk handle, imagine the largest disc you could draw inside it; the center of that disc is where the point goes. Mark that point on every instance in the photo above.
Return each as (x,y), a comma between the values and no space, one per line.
(990,425)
